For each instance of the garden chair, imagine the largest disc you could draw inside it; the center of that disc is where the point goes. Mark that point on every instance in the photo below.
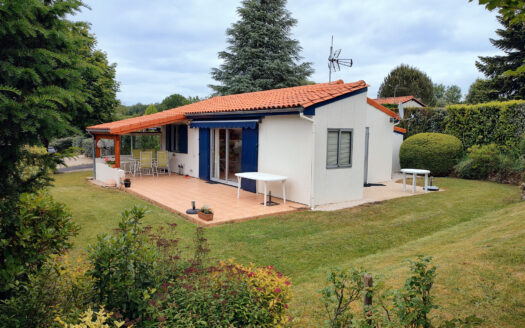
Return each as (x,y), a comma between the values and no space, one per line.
(162,162)
(135,159)
(146,162)
(135,153)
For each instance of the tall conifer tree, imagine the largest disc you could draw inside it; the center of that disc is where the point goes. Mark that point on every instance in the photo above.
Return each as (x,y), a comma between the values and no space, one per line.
(512,43)
(261,54)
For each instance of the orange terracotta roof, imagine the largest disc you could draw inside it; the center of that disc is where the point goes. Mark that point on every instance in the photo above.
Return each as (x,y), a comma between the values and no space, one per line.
(397,100)
(302,96)
(294,97)
(382,108)
(137,123)
(401,130)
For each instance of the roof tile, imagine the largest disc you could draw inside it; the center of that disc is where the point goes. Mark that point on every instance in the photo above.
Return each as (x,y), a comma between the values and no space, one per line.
(301,96)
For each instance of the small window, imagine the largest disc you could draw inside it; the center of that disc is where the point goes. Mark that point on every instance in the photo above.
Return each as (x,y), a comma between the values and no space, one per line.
(177,138)
(339,148)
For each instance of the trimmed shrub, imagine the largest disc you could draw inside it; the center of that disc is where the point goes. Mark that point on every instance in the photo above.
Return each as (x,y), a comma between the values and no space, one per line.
(522,146)
(436,152)
(502,123)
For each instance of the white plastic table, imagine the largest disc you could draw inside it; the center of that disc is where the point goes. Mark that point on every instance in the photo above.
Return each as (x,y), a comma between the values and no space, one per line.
(264,177)
(414,173)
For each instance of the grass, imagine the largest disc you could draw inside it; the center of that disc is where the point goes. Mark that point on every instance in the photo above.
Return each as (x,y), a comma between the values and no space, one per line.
(474,230)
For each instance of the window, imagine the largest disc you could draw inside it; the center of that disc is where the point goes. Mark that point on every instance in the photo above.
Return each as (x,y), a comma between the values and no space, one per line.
(177,138)
(339,148)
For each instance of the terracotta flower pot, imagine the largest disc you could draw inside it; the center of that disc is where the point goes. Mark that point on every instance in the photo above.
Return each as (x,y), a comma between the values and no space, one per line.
(204,216)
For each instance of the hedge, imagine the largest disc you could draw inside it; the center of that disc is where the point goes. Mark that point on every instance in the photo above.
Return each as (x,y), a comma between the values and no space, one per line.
(502,123)
(436,152)
(423,119)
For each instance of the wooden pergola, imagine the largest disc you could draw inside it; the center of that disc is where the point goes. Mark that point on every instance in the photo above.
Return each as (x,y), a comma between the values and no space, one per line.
(114,130)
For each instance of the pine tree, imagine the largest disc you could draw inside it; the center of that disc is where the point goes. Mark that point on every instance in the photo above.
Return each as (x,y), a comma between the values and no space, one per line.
(405,80)
(512,43)
(261,54)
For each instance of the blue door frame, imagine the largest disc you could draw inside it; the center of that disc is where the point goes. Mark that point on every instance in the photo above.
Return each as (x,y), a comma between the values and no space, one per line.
(249,155)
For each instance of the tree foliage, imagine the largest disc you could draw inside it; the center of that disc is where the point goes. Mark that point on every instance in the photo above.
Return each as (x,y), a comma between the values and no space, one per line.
(446,95)
(100,87)
(513,10)
(43,69)
(406,80)
(173,101)
(261,55)
(495,68)
(151,109)
(480,91)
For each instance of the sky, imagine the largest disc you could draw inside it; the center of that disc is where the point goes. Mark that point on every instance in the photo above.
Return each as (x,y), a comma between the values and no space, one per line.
(163,47)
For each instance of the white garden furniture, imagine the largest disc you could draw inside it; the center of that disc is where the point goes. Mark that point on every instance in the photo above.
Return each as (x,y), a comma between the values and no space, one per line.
(414,173)
(265,178)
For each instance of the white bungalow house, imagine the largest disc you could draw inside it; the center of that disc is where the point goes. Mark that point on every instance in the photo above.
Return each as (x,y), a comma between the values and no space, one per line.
(329,139)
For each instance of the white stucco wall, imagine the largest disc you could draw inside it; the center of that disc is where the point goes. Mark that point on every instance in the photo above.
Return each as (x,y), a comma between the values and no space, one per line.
(380,145)
(190,161)
(285,148)
(340,184)
(397,140)
(104,172)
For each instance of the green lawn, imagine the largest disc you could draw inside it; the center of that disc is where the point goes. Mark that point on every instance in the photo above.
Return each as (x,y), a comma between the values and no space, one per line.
(475,231)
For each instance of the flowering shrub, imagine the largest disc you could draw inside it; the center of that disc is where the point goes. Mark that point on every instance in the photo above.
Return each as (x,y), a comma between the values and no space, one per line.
(228,295)
(90,319)
(270,288)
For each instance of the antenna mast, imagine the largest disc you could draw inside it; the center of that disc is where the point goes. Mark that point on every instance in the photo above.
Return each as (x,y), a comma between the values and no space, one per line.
(334,62)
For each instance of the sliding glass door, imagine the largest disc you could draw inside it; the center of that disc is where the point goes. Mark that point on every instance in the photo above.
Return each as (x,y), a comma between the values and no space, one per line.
(226,155)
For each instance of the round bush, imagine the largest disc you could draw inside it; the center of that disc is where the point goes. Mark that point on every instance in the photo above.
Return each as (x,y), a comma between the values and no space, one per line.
(436,152)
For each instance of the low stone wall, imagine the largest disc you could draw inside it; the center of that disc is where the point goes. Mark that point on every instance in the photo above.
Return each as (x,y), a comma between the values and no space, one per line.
(107,174)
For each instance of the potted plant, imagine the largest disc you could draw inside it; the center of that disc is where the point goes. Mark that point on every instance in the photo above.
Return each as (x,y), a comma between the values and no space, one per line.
(127,182)
(109,162)
(205,213)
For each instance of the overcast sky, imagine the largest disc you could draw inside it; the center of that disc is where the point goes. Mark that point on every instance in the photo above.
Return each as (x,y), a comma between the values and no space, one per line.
(163,47)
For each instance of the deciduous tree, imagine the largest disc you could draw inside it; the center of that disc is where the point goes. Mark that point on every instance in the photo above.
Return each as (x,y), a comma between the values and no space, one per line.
(173,101)
(446,95)
(406,80)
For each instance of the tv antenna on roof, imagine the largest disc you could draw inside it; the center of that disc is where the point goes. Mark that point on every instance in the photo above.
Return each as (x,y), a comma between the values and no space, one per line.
(334,62)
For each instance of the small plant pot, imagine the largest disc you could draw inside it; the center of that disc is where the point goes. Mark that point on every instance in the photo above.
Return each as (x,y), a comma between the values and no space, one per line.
(127,183)
(204,216)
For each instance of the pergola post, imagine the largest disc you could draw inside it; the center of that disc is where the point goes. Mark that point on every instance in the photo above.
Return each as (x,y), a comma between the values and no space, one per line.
(117,151)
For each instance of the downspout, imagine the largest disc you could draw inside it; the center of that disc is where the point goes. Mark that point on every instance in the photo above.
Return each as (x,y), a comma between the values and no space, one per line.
(312,168)
(94,158)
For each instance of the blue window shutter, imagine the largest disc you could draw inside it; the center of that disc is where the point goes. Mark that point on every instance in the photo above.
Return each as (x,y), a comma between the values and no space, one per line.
(250,155)
(168,137)
(182,138)
(204,153)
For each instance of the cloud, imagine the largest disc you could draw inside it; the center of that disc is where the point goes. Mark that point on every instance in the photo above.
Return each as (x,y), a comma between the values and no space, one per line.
(165,46)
